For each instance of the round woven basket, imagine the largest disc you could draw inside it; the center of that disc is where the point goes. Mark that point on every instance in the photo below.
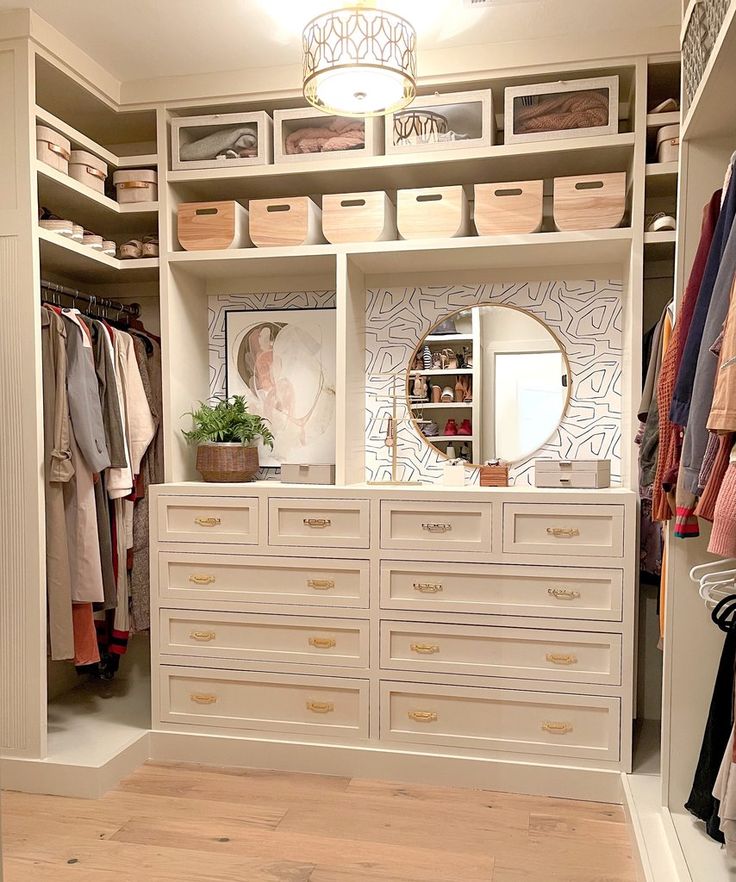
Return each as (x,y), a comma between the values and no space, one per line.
(227,462)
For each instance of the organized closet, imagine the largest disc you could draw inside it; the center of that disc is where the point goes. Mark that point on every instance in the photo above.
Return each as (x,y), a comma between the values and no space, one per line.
(509,630)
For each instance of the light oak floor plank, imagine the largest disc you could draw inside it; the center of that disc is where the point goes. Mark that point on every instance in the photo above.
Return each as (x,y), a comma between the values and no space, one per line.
(177,822)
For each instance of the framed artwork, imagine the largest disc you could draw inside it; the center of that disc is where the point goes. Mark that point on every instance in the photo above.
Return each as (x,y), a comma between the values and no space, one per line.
(283,361)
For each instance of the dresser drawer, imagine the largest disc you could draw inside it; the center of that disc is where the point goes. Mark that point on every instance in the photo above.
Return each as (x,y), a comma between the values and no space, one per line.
(546,592)
(339,523)
(566,530)
(584,726)
(292,639)
(462,526)
(264,702)
(528,654)
(236,579)
(203,519)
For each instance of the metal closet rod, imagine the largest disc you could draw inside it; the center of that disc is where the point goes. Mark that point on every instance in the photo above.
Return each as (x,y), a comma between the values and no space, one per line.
(133,310)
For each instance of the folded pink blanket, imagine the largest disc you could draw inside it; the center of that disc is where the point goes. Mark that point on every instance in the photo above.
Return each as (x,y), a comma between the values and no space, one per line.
(574,110)
(341,134)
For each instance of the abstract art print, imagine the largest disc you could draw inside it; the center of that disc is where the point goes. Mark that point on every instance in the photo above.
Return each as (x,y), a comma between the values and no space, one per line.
(284,363)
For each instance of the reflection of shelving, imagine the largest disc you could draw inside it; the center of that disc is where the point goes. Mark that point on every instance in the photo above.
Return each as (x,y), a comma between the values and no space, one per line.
(442,372)
(466,439)
(448,338)
(435,406)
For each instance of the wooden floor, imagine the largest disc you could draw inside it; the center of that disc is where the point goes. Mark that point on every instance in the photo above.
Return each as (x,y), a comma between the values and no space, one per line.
(182,823)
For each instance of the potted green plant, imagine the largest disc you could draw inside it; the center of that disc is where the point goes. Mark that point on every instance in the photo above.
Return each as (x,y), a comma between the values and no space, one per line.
(226,435)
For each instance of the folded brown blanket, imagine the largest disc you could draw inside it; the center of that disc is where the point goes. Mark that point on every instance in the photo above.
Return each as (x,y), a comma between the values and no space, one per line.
(341,134)
(573,110)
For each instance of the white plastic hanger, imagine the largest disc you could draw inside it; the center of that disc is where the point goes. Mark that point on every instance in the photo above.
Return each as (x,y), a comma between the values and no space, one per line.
(714,566)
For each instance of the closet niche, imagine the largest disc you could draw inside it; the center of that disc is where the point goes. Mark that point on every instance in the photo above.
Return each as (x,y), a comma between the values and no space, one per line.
(488,382)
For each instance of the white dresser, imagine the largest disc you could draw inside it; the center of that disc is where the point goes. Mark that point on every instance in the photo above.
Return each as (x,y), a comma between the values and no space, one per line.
(483,630)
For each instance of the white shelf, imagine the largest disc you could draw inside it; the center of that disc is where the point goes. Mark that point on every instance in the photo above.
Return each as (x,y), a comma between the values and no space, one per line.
(442,405)
(662,169)
(660,246)
(466,439)
(658,120)
(661,179)
(449,338)
(69,199)
(597,248)
(540,159)
(81,141)
(68,257)
(435,372)
(712,113)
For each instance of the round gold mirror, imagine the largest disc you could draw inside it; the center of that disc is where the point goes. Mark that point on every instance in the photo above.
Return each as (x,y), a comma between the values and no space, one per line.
(488,382)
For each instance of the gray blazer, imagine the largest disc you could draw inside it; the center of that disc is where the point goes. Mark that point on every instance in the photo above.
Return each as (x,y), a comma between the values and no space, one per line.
(84,399)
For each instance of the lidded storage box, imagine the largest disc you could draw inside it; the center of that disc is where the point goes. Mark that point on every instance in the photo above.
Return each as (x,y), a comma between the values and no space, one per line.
(590,202)
(582,473)
(136,185)
(568,109)
(516,207)
(296,221)
(292,473)
(358,217)
(668,144)
(208,226)
(433,213)
(304,133)
(88,169)
(53,149)
(221,140)
(442,122)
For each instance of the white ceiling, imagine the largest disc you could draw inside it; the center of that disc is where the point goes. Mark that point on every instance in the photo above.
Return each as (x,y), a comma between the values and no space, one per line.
(140,39)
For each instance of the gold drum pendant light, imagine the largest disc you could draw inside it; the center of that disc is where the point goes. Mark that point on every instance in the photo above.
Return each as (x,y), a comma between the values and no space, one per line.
(360,61)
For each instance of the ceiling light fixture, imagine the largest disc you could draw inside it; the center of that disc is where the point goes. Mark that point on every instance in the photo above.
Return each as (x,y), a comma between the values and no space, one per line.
(360,61)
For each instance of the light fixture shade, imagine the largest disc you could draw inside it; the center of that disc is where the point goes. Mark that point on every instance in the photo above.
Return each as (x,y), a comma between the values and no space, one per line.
(360,61)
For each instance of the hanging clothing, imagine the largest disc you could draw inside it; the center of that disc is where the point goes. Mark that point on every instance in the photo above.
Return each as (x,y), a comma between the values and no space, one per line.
(724,794)
(668,456)
(701,802)
(722,417)
(58,472)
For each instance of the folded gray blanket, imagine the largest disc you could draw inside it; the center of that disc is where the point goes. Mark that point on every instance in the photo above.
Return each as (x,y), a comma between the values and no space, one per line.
(210,146)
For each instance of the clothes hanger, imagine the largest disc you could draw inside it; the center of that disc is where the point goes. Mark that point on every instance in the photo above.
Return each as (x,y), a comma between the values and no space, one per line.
(724,613)
(710,567)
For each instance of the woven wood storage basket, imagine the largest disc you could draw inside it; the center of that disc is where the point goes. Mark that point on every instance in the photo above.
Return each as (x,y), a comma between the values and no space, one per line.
(227,462)
(494,476)
(701,33)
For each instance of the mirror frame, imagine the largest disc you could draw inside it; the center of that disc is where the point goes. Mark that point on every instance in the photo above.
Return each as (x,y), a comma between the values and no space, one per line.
(463,309)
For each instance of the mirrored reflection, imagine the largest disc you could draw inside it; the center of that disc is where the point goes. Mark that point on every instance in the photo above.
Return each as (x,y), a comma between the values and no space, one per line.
(489,382)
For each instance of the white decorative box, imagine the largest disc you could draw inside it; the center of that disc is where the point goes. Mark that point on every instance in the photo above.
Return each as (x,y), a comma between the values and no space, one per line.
(565,109)
(304,133)
(453,474)
(194,136)
(292,473)
(452,121)
(581,473)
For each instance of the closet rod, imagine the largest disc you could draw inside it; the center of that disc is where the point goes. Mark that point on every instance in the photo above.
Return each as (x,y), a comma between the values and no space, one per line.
(133,310)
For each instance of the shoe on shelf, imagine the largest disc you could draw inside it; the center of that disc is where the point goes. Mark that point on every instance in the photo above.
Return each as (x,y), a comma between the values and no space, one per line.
(669,105)
(421,389)
(429,428)
(450,428)
(131,250)
(436,361)
(150,246)
(465,428)
(449,359)
(659,223)
(448,394)
(436,394)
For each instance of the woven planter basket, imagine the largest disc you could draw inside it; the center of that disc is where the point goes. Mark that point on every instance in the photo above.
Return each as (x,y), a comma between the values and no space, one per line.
(227,462)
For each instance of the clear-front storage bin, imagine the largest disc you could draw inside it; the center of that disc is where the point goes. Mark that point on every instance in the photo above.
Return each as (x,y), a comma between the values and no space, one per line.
(440,122)
(221,140)
(568,109)
(305,133)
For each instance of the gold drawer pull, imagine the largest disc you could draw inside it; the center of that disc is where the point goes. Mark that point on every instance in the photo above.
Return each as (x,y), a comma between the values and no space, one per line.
(322,642)
(201,580)
(320,707)
(425,648)
(200,698)
(563,594)
(423,716)
(563,532)
(317,523)
(321,584)
(428,587)
(437,528)
(558,659)
(557,728)
(203,636)
(208,522)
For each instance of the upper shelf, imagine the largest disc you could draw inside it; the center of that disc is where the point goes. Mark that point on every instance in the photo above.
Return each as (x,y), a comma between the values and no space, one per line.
(539,159)
(712,113)
(64,256)
(69,199)
(580,249)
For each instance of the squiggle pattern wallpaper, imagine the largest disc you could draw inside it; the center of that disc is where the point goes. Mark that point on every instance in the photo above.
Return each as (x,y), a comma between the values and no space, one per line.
(585,315)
